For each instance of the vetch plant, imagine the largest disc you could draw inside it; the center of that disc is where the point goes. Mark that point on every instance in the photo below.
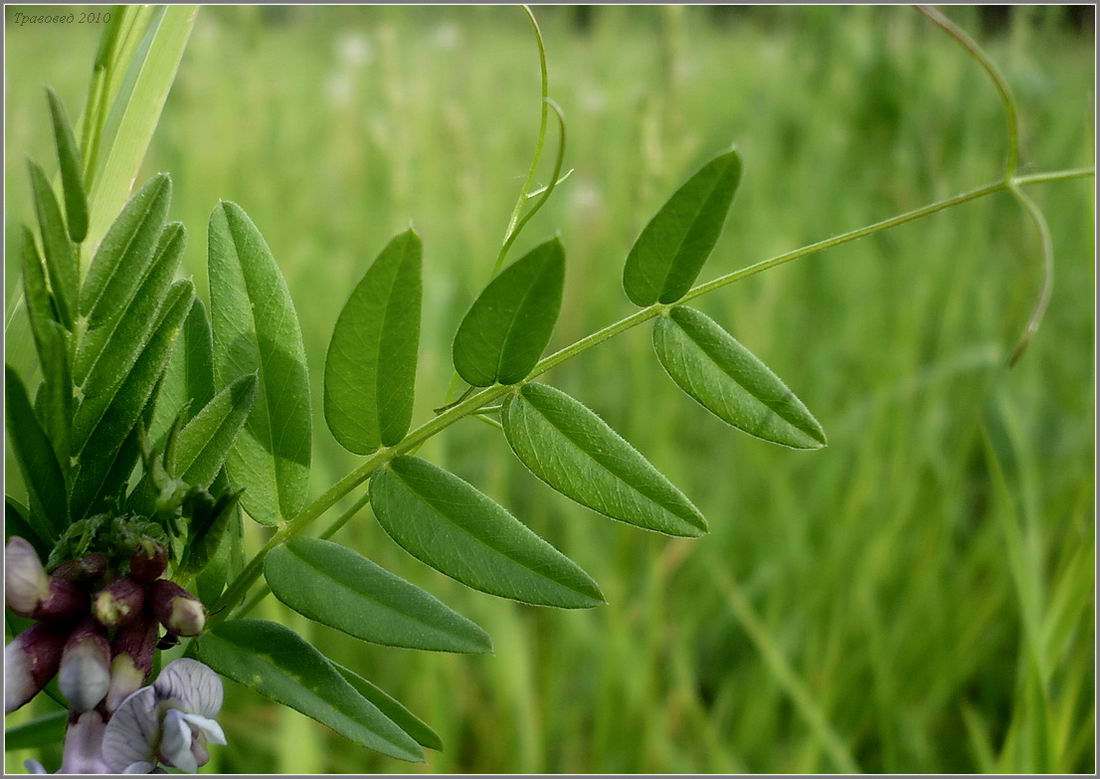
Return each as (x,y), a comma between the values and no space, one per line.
(161,423)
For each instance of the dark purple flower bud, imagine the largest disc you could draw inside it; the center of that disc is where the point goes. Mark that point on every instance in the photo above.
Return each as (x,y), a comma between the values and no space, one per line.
(30,661)
(85,673)
(133,649)
(87,569)
(149,560)
(26,583)
(64,603)
(178,610)
(119,602)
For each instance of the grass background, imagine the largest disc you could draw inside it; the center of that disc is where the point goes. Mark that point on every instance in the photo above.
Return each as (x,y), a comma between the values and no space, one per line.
(917,597)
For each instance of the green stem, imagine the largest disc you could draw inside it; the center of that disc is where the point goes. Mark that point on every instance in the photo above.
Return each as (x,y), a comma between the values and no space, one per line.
(1012,121)
(475,402)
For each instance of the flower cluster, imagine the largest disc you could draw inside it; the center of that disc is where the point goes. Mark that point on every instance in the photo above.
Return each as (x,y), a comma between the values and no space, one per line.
(97,632)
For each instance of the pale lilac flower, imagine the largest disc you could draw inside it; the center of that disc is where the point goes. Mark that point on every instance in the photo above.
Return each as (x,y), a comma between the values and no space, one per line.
(30,661)
(85,673)
(170,722)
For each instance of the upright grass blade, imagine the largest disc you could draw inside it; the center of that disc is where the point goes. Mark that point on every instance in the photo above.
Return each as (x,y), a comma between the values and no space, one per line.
(60,257)
(277,663)
(36,458)
(667,257)
(370,368)
(731,382)
(256,330)
(68,157)
(155,73)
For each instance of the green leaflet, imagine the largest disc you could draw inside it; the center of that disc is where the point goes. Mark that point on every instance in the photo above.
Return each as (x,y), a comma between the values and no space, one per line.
(107,353)
(120,263)
(371,364)
(204,442)
(189,377)
(96,459)
(444,522)
(731,382)
(40,308)
(40,732)
(18,522)
(256,330)
(54,401)
(670,252)
(41,473)
(337,587)
(68,156)
(574,451)
(60,257)
(393,709)
(280,665)
(207,530)
(507,328)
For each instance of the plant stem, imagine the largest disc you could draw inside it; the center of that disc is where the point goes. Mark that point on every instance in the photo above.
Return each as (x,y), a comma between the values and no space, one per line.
(475,402)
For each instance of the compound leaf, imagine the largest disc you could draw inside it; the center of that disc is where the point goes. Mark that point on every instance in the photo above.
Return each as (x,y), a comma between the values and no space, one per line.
(670,252)
(335,586)
(507,328)
(444,522)
(371,364)
(710,365)
(277,663)
(578,454)
(256,330)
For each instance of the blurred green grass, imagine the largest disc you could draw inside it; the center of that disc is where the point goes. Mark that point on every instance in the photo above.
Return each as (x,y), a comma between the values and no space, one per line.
(918,596)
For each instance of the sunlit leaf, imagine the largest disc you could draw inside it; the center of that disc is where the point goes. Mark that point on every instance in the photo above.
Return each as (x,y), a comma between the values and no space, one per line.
(444,522)
(60,257)
(256,330)
(41,473)
(578,454)
(278,664)
(120,263)
(507,328)
(335,586)
(393,709)
(68,157)
(371,364)
(667,257)
(731,382)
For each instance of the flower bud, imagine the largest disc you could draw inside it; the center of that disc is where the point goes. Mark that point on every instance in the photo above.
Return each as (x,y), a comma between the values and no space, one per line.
(25,581)
(133,649)
(85,570)
(85,673)
(30,661)
(119,602)
(149,560)
(178,610)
